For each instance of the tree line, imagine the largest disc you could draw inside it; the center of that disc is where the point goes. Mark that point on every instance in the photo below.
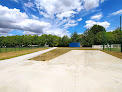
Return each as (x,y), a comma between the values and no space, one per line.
(29,40)
(96,35)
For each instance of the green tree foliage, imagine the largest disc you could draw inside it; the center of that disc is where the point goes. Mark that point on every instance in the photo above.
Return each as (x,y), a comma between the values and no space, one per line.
(97,35)
(75,37)
(94,36)
(64,41)
(28,40)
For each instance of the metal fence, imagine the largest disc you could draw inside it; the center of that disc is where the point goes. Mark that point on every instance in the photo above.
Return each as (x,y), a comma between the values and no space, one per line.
(112,47)
(10,49)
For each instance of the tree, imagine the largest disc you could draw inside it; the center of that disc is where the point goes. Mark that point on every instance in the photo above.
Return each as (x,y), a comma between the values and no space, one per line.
(95,35)
(64,41)
(87,39)
(74,37)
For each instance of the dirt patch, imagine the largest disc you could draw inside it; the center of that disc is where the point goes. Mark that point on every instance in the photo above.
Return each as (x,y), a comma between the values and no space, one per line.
(51,54)
(113,53)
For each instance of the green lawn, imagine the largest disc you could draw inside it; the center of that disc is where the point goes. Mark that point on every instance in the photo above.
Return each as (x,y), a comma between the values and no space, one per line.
(16,49)
(113,49)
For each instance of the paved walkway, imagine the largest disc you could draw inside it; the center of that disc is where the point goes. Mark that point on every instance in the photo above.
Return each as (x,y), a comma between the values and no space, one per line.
(75,71)
(24,58)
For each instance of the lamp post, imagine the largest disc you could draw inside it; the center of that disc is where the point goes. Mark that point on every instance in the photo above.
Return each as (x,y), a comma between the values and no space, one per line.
(120,34)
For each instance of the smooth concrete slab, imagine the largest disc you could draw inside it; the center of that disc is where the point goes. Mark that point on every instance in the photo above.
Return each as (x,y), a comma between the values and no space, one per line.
(75,71)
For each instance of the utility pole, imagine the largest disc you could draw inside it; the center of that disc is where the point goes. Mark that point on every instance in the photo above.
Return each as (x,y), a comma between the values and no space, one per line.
(120,34)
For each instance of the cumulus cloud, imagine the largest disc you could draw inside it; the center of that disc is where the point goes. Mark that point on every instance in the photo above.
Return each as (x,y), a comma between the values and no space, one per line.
(14,19)
(57,6)
(90,23)
(119,12)
(62,9)
(11,15)
(97,16)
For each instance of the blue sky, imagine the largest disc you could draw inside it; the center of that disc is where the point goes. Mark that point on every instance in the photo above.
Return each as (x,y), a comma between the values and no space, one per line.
(57,17)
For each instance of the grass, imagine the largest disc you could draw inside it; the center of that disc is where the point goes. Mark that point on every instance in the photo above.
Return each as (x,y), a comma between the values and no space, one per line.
(56,52)
(7,55)
(114,53)
(10,49)
(113,49)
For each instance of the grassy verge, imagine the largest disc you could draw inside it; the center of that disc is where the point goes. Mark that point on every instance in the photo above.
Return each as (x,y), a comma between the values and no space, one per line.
(7,55)
(113,49)
(56,52)
(11,49)
(114,53)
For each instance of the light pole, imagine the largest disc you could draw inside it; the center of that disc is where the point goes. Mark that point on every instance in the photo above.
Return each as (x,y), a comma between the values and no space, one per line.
(120,34)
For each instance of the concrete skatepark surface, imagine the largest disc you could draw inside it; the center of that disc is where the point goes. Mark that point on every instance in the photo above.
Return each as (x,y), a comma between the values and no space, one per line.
(75,71)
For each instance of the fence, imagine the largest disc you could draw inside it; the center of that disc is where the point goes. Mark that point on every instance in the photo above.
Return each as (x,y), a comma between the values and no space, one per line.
(10,49)
(112,47)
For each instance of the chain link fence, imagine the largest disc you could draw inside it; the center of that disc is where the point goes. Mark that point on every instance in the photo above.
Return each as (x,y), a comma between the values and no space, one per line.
(112,47)
(10,49)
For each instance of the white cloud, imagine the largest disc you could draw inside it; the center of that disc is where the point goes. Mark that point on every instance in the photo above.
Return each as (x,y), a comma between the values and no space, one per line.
(66,14)
(90,23)
(44,14)
(89,4)
(11,15)
(57,31)
(15,1)
(62,10)
(14,19)
(70,23)
(29,33)
(57,12)
(79,19)
(34,17)
(119,12)
(57,6)
(97,16)
(29,4)
(32,25)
